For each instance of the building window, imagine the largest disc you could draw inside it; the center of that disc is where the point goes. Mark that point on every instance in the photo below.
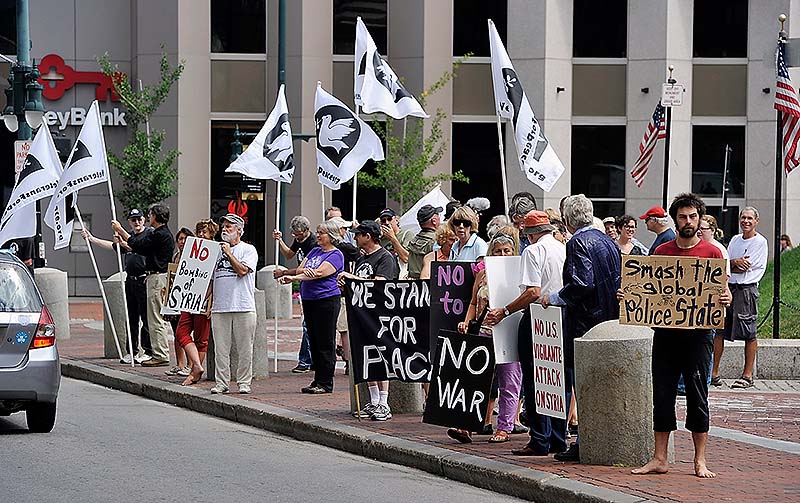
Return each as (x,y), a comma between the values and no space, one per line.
(600,29)
(345,12)
(712,42)
(708,160)
(470,29)
(8,27)
(239,26)
(598,167)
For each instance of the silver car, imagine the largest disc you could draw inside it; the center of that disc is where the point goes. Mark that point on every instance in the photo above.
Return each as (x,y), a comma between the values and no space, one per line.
(30,373)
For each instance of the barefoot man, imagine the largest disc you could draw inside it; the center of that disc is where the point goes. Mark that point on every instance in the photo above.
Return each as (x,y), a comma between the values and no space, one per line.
(682,351)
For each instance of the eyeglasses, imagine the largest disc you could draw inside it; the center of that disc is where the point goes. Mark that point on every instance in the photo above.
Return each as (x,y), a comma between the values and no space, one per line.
(462,223)
(631,227)
(704,229)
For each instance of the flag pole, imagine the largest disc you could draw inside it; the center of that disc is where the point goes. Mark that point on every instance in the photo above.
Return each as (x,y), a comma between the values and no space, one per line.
(667,138)
(277,264)
(776,261)
(102,289)
(355,179)
(502,163)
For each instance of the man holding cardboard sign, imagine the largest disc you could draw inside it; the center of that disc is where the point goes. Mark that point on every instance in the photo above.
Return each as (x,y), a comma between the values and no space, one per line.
(686,350)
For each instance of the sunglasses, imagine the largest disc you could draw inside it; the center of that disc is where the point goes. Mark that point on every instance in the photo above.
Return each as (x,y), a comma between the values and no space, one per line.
(462,223)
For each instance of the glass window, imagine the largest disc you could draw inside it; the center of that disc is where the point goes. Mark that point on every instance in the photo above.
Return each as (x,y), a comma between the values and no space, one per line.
(238,86)
(713,41)
(8,27)
(727,221)
(600,29)
(470,29)
(17,293)
(239,26)
(708,160)
(598,163)
(345,12)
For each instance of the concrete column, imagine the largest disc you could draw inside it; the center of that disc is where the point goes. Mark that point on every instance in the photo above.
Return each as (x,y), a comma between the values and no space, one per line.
(52,284)
(278,297)
(405,397)
(614,388)
(113,286)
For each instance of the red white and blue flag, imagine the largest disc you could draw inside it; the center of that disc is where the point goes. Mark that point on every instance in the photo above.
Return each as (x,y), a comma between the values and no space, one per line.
(786,102)
(655,131)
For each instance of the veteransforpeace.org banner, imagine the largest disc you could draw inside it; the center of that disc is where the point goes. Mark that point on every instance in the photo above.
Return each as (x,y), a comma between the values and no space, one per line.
(387,323)
(462,380)
(548,361)
(451,292)
(673,292)
(193,277)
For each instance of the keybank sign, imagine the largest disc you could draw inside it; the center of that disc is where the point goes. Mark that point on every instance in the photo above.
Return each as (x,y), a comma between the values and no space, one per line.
(57,77)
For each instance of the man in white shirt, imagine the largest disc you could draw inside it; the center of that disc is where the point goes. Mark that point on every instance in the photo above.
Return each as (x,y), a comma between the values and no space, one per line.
(541,268)
(748,261)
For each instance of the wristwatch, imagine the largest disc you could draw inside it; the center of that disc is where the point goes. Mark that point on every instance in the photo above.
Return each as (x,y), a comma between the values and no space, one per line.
(506,312)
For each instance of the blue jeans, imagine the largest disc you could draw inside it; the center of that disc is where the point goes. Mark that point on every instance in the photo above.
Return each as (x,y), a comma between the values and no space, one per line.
(304,356)
(682,386)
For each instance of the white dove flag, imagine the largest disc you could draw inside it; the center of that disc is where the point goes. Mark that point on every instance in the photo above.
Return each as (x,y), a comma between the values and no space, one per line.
(270,156)
(537,159)
(377,88)
(87,165)
(435,198)
(344,141)
(38,179)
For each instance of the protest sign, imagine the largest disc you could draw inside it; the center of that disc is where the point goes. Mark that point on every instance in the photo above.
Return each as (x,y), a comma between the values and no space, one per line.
(462,380)
(172,269)
(548,361)
(673,292)
(195,272)
(451,292)
(387,323)
(503,279)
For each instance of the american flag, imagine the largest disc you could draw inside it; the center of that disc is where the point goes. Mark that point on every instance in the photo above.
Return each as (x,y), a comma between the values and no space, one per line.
(786,102)
(648,144)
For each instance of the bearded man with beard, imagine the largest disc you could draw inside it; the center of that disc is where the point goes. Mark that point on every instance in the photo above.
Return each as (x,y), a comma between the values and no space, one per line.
(233,311)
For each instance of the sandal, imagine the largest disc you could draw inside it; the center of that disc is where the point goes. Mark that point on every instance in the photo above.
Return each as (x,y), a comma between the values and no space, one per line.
(716,381)
(462,436)
(742,383)
(499,437)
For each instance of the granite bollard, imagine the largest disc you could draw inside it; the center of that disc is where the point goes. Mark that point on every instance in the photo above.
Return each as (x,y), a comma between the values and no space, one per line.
(52,284)
(113,287)
(405,397)
(277,299)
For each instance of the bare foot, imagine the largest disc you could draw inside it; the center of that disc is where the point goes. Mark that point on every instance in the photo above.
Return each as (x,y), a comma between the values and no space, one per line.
(194,377)
(654,466)
(701,471)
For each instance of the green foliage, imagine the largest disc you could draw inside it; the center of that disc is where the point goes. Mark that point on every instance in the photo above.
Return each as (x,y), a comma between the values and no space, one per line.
(409,152)
(147,173)
(790,294)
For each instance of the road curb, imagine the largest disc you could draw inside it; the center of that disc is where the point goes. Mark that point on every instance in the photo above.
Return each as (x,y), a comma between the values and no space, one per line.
(497,476)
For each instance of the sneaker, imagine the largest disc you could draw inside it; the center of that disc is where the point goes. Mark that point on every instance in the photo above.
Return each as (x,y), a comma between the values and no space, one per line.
(382,413)
(365,412)
(301,369)
(219,390)
(571,454)
(316,390)
(142,359)
(126,359)
(185,371)
(244,389)
(173,371)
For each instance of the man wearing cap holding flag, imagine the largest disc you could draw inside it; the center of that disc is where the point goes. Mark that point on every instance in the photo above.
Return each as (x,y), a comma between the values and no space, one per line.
(657,221)
(422,244)
(233,312)
(395,239)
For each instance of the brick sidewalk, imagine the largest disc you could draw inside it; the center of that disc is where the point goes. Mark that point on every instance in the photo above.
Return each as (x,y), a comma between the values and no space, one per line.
(746,471)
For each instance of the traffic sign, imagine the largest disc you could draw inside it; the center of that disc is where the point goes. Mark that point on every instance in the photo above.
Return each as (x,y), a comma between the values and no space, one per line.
(21,148)
(671,95)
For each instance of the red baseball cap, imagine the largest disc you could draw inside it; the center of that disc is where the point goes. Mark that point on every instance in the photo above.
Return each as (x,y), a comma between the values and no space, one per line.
(655,211)
(536,222)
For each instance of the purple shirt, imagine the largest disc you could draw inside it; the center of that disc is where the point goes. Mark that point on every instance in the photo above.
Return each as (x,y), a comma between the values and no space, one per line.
(324,287)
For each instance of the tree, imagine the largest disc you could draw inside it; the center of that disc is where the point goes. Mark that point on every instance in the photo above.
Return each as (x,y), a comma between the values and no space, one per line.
(147,173)
(408,155)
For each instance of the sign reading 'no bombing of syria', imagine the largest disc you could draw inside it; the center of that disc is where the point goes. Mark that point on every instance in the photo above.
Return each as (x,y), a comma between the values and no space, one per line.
(673,292)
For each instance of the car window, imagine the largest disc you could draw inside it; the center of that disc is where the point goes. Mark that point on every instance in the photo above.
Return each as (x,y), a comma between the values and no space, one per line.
(17,291)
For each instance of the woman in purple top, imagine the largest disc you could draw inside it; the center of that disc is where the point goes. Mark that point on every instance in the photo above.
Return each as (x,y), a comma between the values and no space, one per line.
(320,293)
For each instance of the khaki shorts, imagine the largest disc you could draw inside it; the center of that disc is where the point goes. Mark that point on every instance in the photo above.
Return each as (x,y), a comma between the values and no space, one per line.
(341,321)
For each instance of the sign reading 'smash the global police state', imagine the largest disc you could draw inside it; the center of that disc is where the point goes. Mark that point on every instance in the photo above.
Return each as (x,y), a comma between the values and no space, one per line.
(673,292)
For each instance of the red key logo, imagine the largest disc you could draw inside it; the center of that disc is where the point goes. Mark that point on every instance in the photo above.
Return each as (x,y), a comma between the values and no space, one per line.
(57,77)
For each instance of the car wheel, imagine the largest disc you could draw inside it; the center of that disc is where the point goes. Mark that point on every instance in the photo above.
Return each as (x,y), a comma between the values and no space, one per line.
(41,417)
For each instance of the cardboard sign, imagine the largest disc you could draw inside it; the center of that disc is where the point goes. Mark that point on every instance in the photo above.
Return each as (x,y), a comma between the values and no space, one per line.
(451,291)
(548,361)
(387,323)
(194,275)
(462,380)
(172,269)
(673,292)
(503,278)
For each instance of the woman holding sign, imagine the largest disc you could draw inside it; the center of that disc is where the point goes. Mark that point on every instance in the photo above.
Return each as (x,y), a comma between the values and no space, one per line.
(504,243)
(320,293)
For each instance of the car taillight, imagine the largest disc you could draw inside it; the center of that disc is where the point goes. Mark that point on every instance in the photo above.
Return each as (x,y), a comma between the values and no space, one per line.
(45,332)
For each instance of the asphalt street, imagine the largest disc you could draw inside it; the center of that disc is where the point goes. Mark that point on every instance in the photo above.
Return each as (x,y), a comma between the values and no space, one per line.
(112,446)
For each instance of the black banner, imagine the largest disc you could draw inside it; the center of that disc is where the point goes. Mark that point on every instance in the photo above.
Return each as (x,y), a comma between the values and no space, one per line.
(451,291)
(387,323)
(462,380)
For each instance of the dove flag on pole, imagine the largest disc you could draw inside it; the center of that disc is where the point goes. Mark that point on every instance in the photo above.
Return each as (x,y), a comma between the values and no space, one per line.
(435,198)
(271,155)
(377,88)
(87,165)
(537,159)
(344,142)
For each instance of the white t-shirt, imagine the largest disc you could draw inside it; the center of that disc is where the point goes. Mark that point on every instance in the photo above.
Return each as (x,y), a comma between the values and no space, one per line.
(724,252)
(756,248)
(543,264)
(234,293)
